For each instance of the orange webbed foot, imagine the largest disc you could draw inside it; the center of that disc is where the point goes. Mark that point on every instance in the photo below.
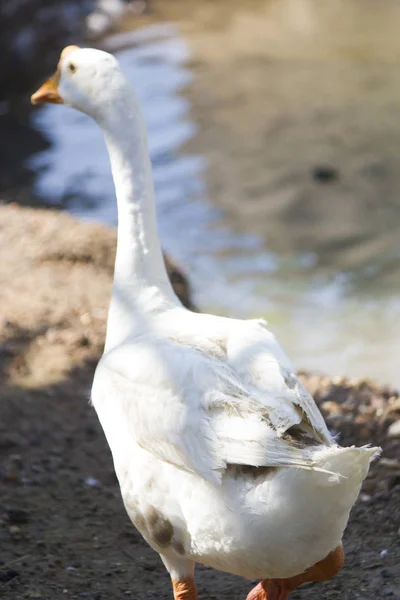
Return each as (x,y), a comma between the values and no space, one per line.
(279,589)
(269,589)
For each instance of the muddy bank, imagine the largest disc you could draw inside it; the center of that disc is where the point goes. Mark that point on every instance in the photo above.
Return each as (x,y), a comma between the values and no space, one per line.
(55,285)
(63,529)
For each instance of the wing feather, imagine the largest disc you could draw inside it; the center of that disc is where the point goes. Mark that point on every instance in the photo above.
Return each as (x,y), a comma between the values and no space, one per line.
(265,370)
(200,413)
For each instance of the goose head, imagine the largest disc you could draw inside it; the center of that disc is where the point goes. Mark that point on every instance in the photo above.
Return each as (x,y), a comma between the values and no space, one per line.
(86,79)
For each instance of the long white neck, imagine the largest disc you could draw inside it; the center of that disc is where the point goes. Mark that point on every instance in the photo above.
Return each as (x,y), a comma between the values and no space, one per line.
(141,285)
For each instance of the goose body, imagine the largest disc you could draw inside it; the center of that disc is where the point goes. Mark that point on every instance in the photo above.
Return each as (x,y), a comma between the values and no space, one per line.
(201,436)
(222,456)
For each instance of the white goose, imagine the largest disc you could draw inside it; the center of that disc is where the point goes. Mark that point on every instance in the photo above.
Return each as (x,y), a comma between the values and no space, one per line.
(222,456)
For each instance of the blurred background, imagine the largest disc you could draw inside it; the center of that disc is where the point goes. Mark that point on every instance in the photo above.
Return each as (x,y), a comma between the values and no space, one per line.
(274,129)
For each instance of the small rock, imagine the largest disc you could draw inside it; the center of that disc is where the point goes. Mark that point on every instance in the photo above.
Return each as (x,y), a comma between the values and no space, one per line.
(394,429)
(14,529)
(385,573)
(85,318)
(70,569)
(17,459)
(384,553)
(331,407)
(17,516)
(92,482)
(90,430)
(11,477)
(325,174)
(7,575)
(365,497)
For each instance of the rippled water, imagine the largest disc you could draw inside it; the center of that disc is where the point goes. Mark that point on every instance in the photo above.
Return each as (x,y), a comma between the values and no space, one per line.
(240,121)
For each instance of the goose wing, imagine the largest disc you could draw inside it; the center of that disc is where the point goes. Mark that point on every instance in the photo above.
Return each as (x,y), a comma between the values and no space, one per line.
(195,411)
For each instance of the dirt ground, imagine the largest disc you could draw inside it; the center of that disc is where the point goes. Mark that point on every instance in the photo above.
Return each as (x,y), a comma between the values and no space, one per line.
(63,529)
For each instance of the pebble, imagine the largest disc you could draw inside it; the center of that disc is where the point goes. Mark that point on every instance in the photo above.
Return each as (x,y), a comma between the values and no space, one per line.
(17,516)
(14,529)
(331,407)
(11,477)
(394,429)
(383,553)
(325,174)
(365,497)
(7,575)
(92,482)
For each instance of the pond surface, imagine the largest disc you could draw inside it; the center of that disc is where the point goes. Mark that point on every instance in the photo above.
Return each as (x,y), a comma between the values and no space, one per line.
(274,132)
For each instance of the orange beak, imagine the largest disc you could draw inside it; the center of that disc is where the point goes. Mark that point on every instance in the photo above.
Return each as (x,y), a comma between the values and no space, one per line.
(48,92)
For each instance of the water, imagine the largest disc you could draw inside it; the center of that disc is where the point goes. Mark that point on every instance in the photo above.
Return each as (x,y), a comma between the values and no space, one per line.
(239,115)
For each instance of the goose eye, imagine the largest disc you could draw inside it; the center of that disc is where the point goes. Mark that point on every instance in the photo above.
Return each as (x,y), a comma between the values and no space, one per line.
(71,68)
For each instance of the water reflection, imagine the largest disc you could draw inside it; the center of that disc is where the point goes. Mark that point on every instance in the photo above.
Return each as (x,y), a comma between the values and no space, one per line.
(75,172)
(241,116)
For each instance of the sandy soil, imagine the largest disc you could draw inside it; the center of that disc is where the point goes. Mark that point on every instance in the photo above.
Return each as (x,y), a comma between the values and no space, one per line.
(63,530)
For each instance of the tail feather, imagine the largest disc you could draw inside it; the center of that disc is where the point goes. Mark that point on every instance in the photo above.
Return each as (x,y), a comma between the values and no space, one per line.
(351,463)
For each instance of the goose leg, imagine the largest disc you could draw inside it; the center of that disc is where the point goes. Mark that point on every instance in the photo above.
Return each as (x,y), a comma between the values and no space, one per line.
(184,589)
(181,571)
(279,589)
